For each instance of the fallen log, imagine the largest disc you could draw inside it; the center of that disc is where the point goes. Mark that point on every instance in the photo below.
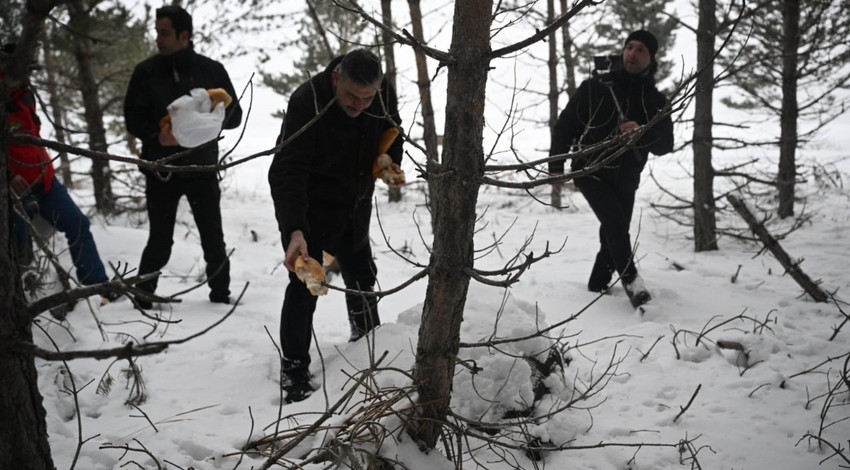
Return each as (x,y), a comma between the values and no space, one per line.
(791,267)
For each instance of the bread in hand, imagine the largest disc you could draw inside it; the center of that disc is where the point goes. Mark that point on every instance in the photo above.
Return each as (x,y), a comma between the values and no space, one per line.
(310,272)
(382,166)
(219,95)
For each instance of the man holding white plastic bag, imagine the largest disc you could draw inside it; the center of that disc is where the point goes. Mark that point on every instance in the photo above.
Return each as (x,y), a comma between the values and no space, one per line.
(179,100)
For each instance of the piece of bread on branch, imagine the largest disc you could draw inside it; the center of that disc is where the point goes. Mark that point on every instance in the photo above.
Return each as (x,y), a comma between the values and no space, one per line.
(383,166)
(310,272)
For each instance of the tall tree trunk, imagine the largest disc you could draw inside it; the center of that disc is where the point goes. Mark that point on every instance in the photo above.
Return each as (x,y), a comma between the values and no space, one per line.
(101,176)
(705,209)
(567,40)
(23,433)
(790,111)
(454,188)
(423,80)
(314,14)
(552,65)
(389,60)
(58,114)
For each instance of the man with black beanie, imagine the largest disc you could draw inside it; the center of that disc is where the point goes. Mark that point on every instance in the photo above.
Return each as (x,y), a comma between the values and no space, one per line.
(600,110)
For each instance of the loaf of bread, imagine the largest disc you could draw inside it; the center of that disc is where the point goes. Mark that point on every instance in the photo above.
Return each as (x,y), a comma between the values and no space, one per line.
(382,167)
(310,272)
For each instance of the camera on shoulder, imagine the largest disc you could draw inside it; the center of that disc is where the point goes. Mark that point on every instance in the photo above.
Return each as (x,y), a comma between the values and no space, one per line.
(603,65)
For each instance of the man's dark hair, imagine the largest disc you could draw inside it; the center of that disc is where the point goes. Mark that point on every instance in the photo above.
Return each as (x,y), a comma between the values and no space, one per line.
(361,66)
(181,20)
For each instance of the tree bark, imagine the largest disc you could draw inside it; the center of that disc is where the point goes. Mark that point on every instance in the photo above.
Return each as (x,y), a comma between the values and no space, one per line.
(454,192)
(389,59)
(23,433)
(101,176)
(790,112)
(770,242)
(552,66)
(567,40)
(423,80)
(58,115)
(705,209)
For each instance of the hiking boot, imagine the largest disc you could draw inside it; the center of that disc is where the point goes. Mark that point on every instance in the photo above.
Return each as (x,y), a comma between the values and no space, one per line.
(636,290)
(109,297)
(296,384)
(361,323)
(217,298)
(142,303)
(600,275)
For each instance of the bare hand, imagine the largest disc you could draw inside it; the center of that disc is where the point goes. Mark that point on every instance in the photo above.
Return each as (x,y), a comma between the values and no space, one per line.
(166,138)
(19,186)
(628,126)
(297,247)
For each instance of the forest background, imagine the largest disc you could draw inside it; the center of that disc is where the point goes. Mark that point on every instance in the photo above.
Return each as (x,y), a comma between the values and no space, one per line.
(750,151)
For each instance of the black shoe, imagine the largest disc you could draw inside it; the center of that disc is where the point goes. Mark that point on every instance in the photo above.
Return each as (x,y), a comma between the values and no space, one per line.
(109,297)
(296,384)
(600,275)
(636,290)
(142,303)
(220,298)
(360,325)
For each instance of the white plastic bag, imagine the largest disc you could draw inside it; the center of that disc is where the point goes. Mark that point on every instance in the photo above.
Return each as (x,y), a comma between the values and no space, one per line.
(192,122)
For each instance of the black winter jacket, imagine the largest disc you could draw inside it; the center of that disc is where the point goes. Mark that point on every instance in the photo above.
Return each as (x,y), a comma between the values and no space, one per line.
(591,117)
(322,179)
(159,80)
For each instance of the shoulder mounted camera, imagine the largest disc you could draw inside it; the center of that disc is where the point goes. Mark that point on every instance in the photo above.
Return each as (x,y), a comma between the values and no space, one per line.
(604,65)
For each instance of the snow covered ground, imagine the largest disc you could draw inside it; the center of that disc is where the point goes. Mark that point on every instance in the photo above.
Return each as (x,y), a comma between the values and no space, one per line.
(208,397)
(745,411)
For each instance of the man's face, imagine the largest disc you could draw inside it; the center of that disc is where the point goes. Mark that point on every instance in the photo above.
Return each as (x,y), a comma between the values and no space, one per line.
(353,97)
(167,40)
(636,57)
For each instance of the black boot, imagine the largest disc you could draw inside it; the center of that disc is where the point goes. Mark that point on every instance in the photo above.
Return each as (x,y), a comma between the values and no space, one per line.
(601,274)
(637,292)
(295,380)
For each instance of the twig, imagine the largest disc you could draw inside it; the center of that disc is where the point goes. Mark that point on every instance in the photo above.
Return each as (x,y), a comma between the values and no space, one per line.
(689,403)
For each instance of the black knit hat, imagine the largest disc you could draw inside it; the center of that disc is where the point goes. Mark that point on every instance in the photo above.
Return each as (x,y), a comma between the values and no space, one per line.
(647,38)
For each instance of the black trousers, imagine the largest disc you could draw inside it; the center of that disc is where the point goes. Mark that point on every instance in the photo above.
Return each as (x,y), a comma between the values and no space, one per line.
(359,272)
(611,195)
(204,197)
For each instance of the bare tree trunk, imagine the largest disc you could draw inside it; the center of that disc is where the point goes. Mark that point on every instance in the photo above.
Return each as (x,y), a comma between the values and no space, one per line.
(424,81)
(321,28)
(58,114)
(792,266)
(705,209)
(552,65)
(389,59)
(790,112)
(454,192)
(23,433)
(101,176)
(568,52)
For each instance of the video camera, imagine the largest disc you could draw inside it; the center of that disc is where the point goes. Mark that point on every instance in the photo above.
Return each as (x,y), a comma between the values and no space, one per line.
(603,65)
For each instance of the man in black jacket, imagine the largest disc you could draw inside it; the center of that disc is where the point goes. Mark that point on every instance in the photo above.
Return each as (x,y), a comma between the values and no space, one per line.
(155,83)
(594,115)
(321,183)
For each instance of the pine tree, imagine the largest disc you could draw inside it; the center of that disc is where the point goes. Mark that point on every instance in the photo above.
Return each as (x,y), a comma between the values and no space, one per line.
(792,65)
(324,32)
